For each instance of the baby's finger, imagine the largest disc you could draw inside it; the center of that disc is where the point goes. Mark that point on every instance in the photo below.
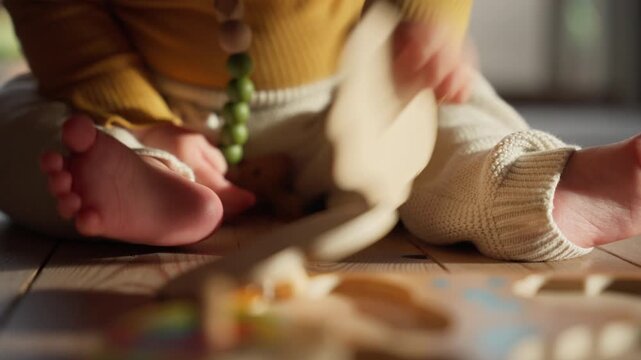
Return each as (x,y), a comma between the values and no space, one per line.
(408,63)
(452,88)
(443,63)
(463,95)
(414,45)
(426,38)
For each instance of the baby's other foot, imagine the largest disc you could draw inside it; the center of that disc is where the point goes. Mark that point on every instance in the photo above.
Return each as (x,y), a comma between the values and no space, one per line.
(111,192)
(598,200)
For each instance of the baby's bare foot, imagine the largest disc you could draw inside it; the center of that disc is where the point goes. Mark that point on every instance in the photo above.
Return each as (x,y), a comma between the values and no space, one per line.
(598,200)
(111,192)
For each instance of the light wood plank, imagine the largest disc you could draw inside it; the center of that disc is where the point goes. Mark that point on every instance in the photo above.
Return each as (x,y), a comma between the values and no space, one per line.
(629,250)
(21,256)
(598,261)
(87,285)
(237,235)
(394,253)
(84,287)
(464,257)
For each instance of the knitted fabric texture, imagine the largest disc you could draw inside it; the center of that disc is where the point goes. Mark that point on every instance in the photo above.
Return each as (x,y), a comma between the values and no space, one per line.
(97,55)
(491,181)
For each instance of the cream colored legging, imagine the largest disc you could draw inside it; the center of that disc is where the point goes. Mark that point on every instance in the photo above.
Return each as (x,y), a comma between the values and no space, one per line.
(491,180)
(28,126)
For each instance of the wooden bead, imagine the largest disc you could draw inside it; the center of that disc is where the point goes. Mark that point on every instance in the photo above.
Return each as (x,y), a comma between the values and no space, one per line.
(228,9)
(237,134)
(240,65)
(233,154)
(234,36)
(240,89)
(236,112)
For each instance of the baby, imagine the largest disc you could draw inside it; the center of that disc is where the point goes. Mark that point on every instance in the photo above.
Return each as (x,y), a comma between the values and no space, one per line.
(149,72)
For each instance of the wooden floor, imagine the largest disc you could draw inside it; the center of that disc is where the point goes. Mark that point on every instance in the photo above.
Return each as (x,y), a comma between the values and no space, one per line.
(55,295)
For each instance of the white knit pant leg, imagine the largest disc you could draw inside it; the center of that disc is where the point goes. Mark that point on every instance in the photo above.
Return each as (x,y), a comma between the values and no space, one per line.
(491,181)
(29,125)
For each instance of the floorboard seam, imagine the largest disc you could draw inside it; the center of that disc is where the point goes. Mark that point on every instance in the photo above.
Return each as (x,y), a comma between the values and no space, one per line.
(618,256)
(428,255)
(24,290)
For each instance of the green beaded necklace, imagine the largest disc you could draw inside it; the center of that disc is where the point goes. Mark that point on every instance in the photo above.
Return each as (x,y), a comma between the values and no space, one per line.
(240,88)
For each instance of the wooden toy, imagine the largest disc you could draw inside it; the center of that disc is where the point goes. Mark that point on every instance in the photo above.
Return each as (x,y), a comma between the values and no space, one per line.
(399,316)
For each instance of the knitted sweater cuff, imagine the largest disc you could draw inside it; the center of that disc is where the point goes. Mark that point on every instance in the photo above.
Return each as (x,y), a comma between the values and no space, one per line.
(528,166)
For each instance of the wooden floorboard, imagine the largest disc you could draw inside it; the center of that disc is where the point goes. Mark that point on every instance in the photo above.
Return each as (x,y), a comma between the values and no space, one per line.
(465,258)
(84,287)
(598,261)
(87,285)
(619,257)
(22,255)
(394,253)
(629,250)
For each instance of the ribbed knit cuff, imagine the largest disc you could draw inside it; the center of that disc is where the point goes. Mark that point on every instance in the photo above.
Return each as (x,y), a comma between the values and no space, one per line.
(526,169)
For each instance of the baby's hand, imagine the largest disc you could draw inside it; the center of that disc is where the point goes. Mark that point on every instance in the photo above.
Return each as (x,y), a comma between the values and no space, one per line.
(426,56)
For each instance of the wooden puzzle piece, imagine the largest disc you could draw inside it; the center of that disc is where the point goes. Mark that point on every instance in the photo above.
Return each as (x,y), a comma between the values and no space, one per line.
(383,316)
(624,286)
(580,285)
(392,303)
(374,314)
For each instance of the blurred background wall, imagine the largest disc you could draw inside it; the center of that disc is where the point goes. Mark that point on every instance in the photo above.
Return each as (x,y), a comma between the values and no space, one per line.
(571,67)
(10,60)
(561,50)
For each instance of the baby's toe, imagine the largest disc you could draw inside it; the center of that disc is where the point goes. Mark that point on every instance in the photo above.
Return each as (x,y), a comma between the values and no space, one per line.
(69,205)
(51,162)
(59,183)
(88,223)
(78,133)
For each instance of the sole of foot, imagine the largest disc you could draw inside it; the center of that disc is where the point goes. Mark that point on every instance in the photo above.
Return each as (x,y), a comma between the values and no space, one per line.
(111,192)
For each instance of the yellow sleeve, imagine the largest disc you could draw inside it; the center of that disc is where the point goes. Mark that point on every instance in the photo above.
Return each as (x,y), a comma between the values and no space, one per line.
(78,53)
(453,13)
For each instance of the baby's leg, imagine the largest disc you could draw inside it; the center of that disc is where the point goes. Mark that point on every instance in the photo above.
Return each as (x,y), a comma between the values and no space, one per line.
(492,181)
(28,126)
(109,190)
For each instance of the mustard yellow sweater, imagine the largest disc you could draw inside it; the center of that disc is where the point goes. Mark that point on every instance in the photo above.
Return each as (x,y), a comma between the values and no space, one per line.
(97,55)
